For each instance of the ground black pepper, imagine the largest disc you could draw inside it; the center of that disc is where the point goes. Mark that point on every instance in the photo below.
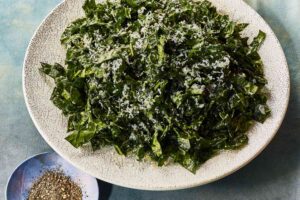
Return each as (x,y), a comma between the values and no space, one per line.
(55,185)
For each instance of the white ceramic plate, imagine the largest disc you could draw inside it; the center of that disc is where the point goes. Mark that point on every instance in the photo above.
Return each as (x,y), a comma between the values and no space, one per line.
(106,164)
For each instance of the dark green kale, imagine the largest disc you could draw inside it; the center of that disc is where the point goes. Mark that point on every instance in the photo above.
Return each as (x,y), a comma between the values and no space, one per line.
(162,79)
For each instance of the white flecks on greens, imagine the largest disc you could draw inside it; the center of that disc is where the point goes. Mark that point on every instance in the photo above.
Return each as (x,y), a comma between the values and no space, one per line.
(169,80)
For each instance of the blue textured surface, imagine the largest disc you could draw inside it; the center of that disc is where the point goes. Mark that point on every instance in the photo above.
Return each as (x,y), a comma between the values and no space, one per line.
(274,175)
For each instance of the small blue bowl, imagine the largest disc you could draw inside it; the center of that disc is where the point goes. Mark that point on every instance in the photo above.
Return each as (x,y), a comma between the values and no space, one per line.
(30,170)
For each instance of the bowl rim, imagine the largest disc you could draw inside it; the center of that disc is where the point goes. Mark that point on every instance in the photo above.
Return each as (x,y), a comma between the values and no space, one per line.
(15,169)
(36,155)
(175,187)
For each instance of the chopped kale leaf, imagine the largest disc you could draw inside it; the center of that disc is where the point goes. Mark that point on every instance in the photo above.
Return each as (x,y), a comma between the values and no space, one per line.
(162,79)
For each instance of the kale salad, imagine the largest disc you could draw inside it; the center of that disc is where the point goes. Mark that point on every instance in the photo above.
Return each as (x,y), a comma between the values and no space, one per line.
(166,80)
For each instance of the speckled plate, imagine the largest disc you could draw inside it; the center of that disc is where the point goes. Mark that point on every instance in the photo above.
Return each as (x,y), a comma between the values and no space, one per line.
(31,169)
(106,164)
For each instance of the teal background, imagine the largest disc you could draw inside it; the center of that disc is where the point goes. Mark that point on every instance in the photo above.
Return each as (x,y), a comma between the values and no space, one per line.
(273,175)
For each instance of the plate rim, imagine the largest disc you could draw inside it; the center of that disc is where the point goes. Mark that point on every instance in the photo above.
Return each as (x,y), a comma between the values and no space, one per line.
(166,188)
